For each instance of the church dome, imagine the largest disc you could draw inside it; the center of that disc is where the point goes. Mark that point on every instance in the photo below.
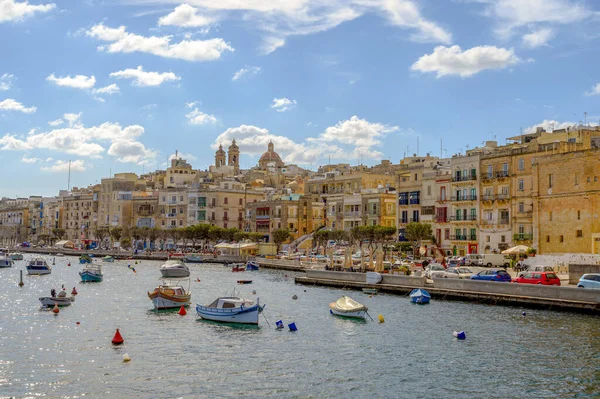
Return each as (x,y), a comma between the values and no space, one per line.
(270,156)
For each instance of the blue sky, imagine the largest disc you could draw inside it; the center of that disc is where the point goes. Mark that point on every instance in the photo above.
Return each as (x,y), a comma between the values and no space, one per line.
(120,85)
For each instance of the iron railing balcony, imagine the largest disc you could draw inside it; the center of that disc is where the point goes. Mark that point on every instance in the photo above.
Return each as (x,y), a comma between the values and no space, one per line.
(523,237)
(468,197)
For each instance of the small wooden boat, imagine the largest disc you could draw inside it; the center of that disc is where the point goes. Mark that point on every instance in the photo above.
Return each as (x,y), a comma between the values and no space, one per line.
(108,258)
(16,256)
(238,267)
(38,266)
(169,296)
(231,310)
(174,268)
(348,307)
(371,291)
(59,255)
(5,261)
(244,281)
(85,258)
(419,296)
(91,274)
(252,265)
(50,301)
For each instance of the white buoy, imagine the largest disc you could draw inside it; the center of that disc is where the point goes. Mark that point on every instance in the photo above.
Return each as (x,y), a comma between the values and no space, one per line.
(126,358)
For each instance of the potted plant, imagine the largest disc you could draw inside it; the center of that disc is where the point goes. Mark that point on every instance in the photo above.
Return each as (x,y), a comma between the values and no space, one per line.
(531,252)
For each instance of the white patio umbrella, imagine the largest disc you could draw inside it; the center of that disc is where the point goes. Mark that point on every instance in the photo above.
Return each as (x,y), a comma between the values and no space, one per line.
(519,249)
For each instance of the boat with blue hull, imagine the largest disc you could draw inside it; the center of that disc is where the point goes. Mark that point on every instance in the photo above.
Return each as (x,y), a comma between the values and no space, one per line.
(6,261)
(38,266)
(108,258)
(91,274)
(190,258)
(231,310)
(252,265)
(420,296)
(85,258)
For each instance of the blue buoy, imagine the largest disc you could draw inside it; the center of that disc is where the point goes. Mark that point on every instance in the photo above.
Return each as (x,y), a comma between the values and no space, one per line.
(524,314)
(279,324)
(460,335)
(292,327)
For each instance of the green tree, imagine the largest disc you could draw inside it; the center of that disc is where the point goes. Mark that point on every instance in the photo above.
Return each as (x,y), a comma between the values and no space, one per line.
(255,237)
(320,238)
(126,243)
(153,234)
(280,236)
(417,232)
(116,233)
(215,234)
(240,236)
(59,233)
(100,233)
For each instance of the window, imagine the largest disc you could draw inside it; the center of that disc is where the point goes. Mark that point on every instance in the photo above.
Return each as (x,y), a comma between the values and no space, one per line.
(521,207)
(181,198)
(505,169)
(579,233)
(490,171)
(447,234)
(181,222)
(487,238)
(521,164)
(550,180)
(521,185)
(241,201)
(224,225)
(550,216)
(561,239)
(576,179)
(180,210)
(473,214)
(174,198)
(416,177)
(547,238)
(225,201)
(429,190)
(473,193)
(201,215)
(578,215)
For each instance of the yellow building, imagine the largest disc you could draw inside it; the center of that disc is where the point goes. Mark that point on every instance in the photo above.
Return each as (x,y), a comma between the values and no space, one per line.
(14,216)
(79,210)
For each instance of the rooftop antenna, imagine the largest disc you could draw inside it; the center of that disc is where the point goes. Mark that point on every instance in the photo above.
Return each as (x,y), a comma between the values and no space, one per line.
(585,118)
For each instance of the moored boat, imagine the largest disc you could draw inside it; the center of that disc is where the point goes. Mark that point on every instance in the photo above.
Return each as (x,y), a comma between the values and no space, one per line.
(5,261)
(244,281)
(238,267)
(193,258)
(175,268)
(91,274)
(50,301)
(59,255)
(252,265)
(231,310)
(85,258)
(108,258)
(348,307)
(371,291)
(38,266)
(16,256)
(170,295)
(419,296)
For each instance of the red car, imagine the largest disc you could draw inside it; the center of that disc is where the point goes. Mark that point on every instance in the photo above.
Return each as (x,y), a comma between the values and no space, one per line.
(543,278)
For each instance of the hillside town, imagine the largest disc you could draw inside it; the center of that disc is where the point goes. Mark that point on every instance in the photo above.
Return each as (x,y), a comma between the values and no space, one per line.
(540,190)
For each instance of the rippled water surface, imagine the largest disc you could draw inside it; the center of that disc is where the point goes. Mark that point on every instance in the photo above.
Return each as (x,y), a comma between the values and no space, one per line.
(412,355)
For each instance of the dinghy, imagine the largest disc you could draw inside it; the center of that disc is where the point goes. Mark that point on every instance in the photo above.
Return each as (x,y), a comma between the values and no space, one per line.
(231,310)
(348,307)
(373,278)
(419,296)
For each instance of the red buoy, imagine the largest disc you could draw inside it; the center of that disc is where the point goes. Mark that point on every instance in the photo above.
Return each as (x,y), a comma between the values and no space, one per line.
(182,311)
(55,309)
(74,292)
(78,323)
(117,339)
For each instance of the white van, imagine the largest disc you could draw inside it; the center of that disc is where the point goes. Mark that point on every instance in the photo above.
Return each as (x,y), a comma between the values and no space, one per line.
(473,260)
(493,260)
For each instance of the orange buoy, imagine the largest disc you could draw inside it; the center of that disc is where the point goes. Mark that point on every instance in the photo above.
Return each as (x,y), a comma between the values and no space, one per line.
(69,264)
(198,280)
(55,309)
(182,311)
(117,339)
(74,292)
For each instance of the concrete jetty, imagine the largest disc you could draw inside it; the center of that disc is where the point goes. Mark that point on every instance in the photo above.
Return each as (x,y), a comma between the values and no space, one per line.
(525,295)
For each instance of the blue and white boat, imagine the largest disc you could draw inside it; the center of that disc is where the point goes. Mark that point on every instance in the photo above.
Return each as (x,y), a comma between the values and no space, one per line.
(5,261)
(38,266)
(419,296)
(91,274)
(193,258)
(85,258)
(252,265)
(231,310)
(108,258)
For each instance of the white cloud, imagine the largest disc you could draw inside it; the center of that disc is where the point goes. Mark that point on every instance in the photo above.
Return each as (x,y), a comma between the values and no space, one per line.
(283,104)
(183,155)
(121,41)
(549,125)
(108,90)
(595,91)
(11,104)
(270,44)
(192,104)
(84,141)
(538,38)
(246,71)
(56,122)
(349,139)
(145,79)
(453,61)
(185,16)
(10,10)
(26,159)
(197,117)
(6,81)
(77,82)
(63,166)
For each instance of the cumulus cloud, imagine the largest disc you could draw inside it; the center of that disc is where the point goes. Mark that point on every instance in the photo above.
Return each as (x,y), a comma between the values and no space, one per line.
(6,81)
(76,82)
(108,90)
(121,41)
(454,61)
(594,91)
(538,38)
(185,16)
(26,159)
(143,78)
(283,104)
(348,139)
(10,104)
(64,166)
(56,122)
(84,141)
(10,10)
(246,71)
(197,117)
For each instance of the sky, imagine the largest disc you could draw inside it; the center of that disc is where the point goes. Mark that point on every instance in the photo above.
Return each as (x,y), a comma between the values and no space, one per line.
(119,86)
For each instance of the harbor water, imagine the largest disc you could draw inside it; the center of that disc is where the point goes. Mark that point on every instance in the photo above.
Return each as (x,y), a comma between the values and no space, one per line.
(413,354)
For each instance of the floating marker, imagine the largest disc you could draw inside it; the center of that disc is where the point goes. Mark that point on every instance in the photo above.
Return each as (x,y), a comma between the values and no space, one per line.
(133,269)
(78,323)
(129,266)
(21,279)
(74,292)
(136,262)
(69,264)
(304,290)
(253,292)
(55,309)
(292,326)
(126,358)
(53,261)
(117,338)
(295,296)
(198,280)
(524,314)
(182,311)
(279,324)
(381,319)
(460,335)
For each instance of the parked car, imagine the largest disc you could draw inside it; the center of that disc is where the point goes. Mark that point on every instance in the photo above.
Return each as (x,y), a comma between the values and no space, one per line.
(531,268)
(458,272)
(590,280)
(452,262)
(434,270)
(492,275)
(541,278)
